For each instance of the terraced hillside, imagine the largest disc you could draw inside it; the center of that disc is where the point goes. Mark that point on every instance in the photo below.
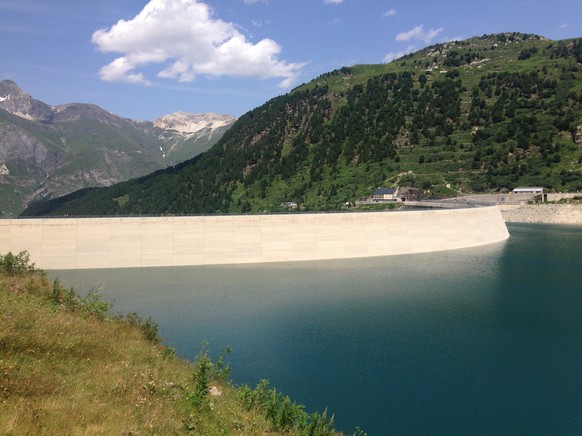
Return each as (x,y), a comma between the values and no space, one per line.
(486,114)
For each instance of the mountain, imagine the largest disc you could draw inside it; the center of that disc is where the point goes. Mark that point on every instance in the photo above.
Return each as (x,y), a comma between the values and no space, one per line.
(485,114)
(48,151)
(17,102)
(185,135)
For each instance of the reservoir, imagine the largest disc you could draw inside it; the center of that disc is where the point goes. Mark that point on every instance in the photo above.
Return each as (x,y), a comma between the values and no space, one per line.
(484,340)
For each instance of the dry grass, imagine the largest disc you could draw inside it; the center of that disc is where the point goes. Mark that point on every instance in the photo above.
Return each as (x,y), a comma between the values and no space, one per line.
(65,370)
(69,372)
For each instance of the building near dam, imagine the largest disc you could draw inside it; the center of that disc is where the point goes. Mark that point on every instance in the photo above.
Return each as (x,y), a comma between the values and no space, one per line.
(120,242)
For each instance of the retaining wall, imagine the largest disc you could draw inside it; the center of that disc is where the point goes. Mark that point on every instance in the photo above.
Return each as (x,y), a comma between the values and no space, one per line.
(562,195)
(70,243)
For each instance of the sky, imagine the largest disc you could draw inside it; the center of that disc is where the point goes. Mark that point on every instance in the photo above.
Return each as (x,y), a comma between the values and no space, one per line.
(142,59)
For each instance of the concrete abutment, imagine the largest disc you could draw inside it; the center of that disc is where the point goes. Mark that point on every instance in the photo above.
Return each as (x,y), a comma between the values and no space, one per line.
(84,243)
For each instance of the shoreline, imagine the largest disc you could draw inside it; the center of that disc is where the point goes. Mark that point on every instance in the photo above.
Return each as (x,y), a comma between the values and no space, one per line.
(542,213)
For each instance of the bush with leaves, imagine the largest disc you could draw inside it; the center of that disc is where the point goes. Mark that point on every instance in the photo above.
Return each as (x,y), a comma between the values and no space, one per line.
(284,414)
(207,372)
(92,304)
(148,326)
(63,296)
(16,265)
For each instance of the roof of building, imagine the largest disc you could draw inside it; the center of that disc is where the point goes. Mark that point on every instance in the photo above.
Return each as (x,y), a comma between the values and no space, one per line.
(384,191)
(528,189)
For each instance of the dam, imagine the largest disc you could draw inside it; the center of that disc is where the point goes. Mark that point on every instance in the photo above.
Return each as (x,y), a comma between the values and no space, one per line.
(126,242)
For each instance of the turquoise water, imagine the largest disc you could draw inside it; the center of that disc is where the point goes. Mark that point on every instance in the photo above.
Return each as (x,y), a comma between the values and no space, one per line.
(473,341)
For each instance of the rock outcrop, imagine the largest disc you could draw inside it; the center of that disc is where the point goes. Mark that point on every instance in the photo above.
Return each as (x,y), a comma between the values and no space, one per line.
(543,213)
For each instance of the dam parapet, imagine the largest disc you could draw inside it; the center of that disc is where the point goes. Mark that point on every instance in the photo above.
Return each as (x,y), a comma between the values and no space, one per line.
(123,242)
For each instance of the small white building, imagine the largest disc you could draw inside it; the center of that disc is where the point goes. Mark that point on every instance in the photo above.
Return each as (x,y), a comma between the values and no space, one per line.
(529,193)
(385,194)
(529,190)
(289,205)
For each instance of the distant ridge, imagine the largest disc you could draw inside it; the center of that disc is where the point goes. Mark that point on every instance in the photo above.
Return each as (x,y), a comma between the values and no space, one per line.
(48,151)
(15,101)
(200,131)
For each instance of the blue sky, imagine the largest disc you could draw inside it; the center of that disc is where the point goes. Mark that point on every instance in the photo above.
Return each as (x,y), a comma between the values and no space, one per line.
(141,59)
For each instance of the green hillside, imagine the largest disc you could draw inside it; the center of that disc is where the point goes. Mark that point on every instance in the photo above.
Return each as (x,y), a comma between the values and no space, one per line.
(68,366)
(485,114)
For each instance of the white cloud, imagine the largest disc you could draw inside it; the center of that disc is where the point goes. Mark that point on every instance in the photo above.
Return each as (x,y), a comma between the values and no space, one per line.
(334,22)
(390,13)
(333,2)
(419,34)
(120,70)
(395,55)
(186,39)
(260,23)
(416,34)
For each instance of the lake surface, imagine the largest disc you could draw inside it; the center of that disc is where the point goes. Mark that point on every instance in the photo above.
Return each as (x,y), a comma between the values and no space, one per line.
(474,341)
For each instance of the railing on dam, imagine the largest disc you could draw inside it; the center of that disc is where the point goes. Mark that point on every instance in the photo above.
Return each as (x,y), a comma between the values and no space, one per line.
(399,206)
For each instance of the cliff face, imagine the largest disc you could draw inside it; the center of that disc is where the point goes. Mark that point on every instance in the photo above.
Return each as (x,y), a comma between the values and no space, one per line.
(48,151)
(15,101)
(188,124)
(185,135)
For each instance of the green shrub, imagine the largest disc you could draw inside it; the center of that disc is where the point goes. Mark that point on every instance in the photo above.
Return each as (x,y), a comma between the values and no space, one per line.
(63,296)
(70,300)
(148,326)
(202,378)
(283,414)
(16,265)
(207,372)
(94,305)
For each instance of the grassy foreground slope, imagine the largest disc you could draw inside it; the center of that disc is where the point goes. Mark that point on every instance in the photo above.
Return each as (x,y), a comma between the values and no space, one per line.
(67,366)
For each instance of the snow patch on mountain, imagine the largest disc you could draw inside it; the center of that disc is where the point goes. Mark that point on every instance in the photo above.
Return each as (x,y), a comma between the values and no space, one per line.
(188,124)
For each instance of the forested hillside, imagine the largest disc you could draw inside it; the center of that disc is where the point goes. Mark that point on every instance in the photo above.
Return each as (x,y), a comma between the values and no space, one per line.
(486,114)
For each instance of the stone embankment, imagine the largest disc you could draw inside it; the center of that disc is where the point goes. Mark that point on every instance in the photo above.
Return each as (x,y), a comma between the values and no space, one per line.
(543,213)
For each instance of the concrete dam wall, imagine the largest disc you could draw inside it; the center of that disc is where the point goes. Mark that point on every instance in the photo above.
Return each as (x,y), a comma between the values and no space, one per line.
(75,243)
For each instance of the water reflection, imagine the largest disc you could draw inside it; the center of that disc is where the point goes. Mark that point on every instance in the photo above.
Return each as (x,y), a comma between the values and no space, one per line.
(466,341)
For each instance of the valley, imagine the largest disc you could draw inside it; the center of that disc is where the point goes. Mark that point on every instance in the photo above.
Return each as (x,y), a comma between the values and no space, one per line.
(49,151)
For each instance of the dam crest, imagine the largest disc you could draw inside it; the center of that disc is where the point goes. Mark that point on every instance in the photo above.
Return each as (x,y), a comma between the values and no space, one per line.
(127,242)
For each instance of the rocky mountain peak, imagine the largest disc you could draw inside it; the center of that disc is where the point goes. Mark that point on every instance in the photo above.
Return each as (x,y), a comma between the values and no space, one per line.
(186,123)
(15,101)
(9,87)
(60,149)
